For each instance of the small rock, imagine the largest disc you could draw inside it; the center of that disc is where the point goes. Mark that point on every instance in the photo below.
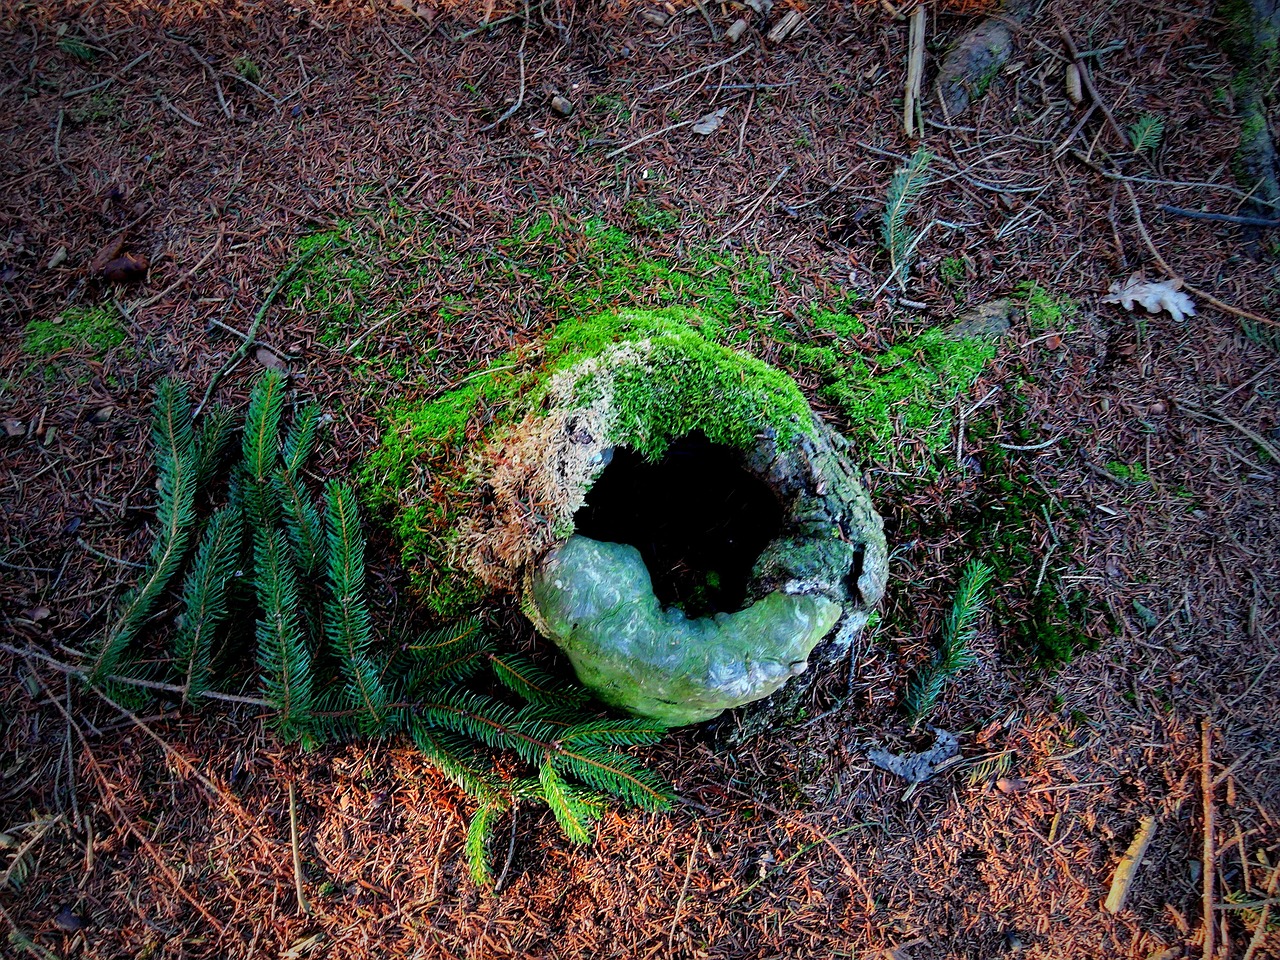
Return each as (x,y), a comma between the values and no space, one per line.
(562,105)
(991,319)
(68,920)
(14,428)
(36,614)
(655,17)
(58,259)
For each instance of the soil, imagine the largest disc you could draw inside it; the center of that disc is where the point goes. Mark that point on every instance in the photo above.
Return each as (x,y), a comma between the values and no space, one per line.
(1139,455)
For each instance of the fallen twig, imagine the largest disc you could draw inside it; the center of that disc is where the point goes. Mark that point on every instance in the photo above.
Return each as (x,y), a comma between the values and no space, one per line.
(213,75)
(133,681)
(915,70)
(755,206)
(1127,868)
(700,70)
(1208,853)
(303,906)
(217,244)
(1164,265)
(524,38)
(250,338)
(1218,217)
(1087,78)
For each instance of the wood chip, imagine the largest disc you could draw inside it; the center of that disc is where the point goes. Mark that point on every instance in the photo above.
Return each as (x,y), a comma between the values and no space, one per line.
(786,26)
(1128,866)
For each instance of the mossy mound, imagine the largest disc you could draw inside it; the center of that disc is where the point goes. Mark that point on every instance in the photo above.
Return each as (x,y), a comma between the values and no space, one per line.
(468,475)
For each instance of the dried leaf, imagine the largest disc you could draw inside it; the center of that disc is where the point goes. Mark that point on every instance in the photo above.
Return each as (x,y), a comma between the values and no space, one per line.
(916,767)
(14,428)
(1162,295)
(106,255)
(270,360)
(421,11)
(711,122)
(129,268)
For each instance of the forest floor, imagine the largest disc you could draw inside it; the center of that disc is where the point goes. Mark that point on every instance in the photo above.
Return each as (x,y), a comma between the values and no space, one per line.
(1119,469)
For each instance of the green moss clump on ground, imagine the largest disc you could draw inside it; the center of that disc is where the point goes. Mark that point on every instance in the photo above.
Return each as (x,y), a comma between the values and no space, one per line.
(1130,473)
(1045,311)
(93,330)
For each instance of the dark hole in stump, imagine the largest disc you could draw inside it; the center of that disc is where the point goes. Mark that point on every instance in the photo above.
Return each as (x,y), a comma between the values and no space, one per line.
(699,520)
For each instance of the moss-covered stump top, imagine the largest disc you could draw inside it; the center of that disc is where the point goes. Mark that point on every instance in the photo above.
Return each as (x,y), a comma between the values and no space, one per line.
(596,601)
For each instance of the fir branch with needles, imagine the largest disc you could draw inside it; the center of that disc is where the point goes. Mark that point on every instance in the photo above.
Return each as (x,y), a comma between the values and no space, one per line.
(905,189)
(322,669)
(953,654)
(204,600)
(175,516)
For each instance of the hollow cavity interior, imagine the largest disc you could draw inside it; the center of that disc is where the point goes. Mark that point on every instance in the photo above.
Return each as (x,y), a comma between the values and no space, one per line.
(699,520)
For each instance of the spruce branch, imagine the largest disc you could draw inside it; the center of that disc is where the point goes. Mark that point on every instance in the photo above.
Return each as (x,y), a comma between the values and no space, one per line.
(175,515)
(346,619)
(572,812)
(479,832)
(953,654)
(301,520)
(283,656)
(204,599)
(260,448)
(905,190)
(526,679)
(212,443)
(300,441)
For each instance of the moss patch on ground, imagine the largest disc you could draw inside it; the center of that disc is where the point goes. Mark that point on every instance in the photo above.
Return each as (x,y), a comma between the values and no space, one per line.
(87,330)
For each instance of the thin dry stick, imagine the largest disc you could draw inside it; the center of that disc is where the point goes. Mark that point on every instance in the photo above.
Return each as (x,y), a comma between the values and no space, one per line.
(511,851)
(250,338)
(694,73)
(649,136)
(1260,931)
(684,890)
(213,75)
(755,206)
(134,681)
(217,244)
(915,70)
(303,906)
(1164,265)
(524,38)
(108,793)
(1087,78)
(1206,793)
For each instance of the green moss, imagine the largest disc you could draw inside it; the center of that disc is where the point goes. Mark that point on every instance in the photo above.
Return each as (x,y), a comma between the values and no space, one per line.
(1044,310)
(90,330)
(649,216)
(953,270)
(1131,473)
(690,384)
(247,69)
